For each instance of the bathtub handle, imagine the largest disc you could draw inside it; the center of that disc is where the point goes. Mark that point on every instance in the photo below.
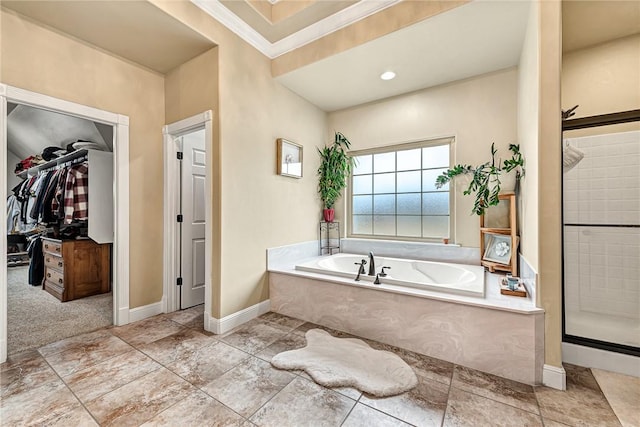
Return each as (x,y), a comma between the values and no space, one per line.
(361,269)
(382,273)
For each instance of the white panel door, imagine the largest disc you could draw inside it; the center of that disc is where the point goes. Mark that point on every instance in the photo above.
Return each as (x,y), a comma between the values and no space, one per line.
(193,225)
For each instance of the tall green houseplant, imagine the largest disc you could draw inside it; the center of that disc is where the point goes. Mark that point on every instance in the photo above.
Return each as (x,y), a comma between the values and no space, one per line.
(335,167)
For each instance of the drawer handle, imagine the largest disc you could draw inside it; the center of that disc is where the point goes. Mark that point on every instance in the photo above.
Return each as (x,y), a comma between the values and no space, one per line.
(46,246)
(59,263)
(58,249)
(49,275)
(48,259)
(60,281)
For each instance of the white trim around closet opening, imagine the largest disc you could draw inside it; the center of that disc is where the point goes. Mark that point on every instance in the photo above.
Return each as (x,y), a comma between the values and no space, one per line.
(121,194)
(171,176)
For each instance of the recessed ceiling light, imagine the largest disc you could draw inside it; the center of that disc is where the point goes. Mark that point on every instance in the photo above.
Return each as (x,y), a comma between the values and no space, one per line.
(387,75)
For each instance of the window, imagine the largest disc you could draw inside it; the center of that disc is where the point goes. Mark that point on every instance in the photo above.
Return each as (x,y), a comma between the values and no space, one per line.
(393,193)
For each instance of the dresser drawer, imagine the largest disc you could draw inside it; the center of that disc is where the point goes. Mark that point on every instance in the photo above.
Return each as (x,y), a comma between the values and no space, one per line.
(53,276)
(53,261)
(55,290)
(52,247)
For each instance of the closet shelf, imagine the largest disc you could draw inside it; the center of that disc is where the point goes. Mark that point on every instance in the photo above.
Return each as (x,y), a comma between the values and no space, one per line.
(78,154)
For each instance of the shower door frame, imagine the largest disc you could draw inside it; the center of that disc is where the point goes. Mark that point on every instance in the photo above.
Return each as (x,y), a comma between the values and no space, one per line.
(584,123)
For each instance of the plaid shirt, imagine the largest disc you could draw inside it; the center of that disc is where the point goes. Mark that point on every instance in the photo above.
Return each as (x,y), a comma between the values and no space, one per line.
(76,193)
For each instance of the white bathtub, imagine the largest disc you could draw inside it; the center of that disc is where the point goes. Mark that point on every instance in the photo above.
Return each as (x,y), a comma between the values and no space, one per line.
(436,276)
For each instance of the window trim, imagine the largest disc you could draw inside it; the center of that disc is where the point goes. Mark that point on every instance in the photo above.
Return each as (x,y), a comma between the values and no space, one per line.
(422,143)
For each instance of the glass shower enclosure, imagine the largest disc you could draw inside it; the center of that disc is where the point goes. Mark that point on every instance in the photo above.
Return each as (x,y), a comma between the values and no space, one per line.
(601,222)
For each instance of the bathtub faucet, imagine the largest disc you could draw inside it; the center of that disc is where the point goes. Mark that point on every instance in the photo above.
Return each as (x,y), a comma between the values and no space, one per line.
(372,265)
(361,269)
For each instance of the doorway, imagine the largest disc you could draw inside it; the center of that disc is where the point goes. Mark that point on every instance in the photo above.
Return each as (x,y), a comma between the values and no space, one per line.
(120,184)
(187,191)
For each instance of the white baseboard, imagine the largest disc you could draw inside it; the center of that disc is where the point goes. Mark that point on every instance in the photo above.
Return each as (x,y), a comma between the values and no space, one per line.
(123,316)
(140,313)
(554,377)
(601,359)
(221,326)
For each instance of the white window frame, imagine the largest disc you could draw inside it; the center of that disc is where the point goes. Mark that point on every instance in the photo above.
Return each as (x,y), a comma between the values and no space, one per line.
(423,143)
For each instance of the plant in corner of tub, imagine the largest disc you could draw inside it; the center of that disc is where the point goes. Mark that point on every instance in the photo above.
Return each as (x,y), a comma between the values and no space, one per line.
(335,168)
(485,178)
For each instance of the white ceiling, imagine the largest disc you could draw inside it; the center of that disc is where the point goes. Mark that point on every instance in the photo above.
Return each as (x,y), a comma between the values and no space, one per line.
(474,39)
(30,130)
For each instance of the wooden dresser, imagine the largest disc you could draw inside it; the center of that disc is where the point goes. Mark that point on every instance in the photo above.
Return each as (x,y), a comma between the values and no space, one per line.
(75,268)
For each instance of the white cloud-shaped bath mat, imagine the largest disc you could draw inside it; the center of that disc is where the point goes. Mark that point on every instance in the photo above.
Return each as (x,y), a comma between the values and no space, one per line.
(349,362)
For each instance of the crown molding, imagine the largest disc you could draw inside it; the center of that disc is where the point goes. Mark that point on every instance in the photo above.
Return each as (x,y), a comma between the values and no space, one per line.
(230,20)
(326,26)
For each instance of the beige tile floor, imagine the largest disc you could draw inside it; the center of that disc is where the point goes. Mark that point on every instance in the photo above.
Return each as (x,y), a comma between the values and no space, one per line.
(167,370)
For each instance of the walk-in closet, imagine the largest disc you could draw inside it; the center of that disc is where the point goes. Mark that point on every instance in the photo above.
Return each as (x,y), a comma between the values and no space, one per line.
(60,226)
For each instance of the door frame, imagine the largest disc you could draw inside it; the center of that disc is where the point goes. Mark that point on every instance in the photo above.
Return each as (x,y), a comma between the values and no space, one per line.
(120,258)
(171,182)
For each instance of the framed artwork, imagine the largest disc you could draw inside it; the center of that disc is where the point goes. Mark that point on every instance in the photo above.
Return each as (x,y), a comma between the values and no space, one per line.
(498,248)
(289,158)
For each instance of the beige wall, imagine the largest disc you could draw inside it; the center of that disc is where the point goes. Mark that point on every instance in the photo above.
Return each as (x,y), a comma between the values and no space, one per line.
(43,61)
(549,291)
(528,107)
(191,89)
(477,111)
(259,208)
(602,79)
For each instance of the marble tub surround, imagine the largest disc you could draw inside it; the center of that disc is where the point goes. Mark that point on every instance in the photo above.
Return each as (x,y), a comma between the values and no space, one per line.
(413,250)
(137,388)
(507,342)
(529,277)
(492,299)
(286,257)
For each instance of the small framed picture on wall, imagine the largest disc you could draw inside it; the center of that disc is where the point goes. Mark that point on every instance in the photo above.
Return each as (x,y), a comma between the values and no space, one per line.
(289,158)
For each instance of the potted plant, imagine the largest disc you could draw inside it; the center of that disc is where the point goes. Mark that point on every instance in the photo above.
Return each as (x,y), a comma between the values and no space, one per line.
(485,178)
(335,168)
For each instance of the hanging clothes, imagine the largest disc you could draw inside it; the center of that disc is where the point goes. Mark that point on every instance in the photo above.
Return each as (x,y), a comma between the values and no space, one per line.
(57,203)
(45,213)
(36,265)
(40,194)
(76,196)
(14,225)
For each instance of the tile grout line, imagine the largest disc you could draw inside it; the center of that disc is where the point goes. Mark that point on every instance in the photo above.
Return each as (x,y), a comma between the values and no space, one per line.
(497,401)
(37,349)
(122,385)
(71,391)
(196,388)
(271,398)
(444,415)
(604,395)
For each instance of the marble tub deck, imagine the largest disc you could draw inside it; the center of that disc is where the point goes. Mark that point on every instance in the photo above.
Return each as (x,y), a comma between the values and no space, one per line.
(166,370)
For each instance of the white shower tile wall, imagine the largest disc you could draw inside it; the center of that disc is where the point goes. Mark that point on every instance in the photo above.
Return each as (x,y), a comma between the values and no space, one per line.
(604,188)
(602,270)
(602,267)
